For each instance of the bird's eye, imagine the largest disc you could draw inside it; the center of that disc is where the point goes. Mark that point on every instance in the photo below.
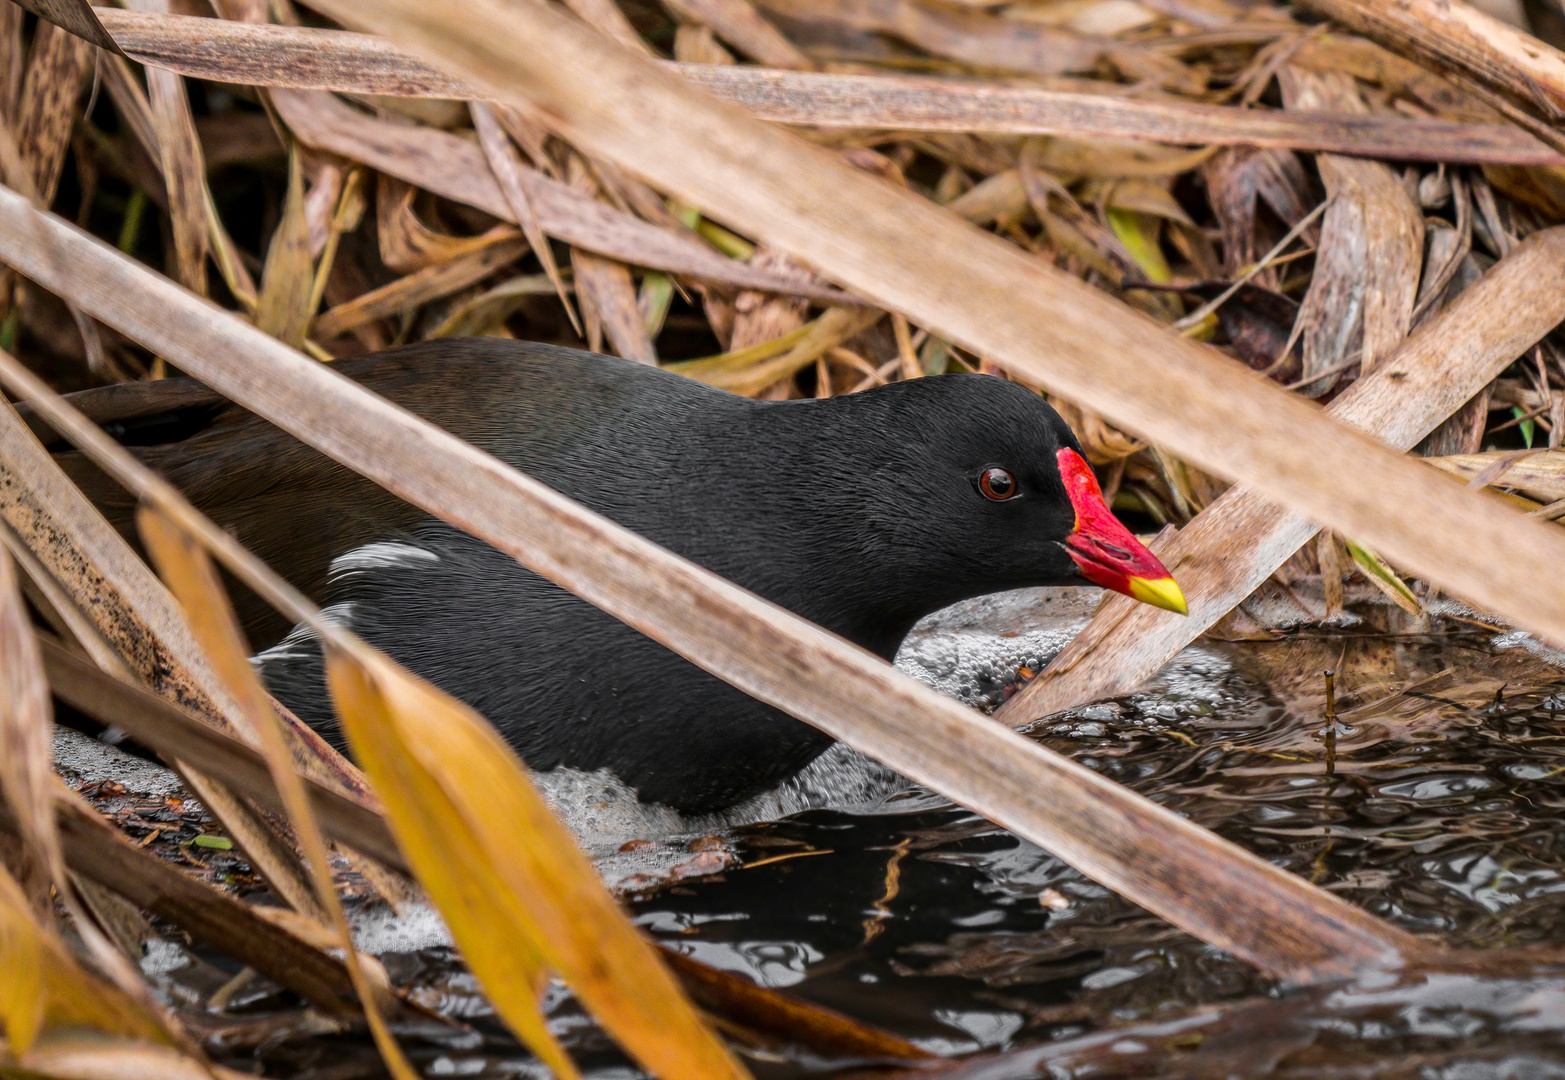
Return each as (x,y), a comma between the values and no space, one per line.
(997,484)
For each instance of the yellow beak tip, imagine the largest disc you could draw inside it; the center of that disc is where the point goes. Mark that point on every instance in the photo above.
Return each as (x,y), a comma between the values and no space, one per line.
(1160,592)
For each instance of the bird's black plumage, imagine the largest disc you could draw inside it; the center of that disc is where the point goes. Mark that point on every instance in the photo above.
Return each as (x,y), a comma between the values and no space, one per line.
(861,513)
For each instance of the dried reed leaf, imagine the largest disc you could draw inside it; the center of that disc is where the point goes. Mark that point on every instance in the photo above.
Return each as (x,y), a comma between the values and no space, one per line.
(739,24)
(1104,443)
(74,15)
(1157,858)
(1241,539)
(1508,68)
(323,202)
(1238,183)
(507,168)
(457,169)
(1327,554)
(59,610)
(422,286)
(45,988)
(975,38)
(406,243)
(309,59)
(750,370)
(47,106)
(284,308)
(512,907)
(696,44)
(1384,578)
(608,304)
(183,162)
(1370,256)
(1540,475)
(607,17)
(26,736)
(136,112)
(762,317)
(185,565)
(1398,76)
(13,59)
(477,314)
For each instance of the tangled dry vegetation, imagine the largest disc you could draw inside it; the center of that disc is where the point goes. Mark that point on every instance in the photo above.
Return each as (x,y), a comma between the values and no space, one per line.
(1369,218)
(1170,154)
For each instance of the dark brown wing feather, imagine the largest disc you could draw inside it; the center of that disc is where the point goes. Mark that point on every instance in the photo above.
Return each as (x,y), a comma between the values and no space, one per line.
(291,505)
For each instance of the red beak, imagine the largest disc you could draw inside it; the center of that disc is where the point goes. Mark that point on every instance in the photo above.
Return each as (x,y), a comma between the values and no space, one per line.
(1104,549)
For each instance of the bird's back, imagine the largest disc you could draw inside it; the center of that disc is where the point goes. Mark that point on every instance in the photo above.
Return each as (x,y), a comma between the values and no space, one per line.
(578,421)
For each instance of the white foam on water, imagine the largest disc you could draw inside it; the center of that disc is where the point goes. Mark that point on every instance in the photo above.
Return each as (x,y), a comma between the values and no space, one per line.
(162,957)
(95,761)
(378,930)
(1520,639)
(967,651)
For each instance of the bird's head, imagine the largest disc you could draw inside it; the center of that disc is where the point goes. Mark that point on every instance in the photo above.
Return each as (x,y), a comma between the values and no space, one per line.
(967,484)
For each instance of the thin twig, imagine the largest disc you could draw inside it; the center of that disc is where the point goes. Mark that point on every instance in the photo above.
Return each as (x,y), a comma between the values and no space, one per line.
(1190,321)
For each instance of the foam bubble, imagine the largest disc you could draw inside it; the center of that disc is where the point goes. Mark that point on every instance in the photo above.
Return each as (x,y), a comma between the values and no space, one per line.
(91,760)
(378,930)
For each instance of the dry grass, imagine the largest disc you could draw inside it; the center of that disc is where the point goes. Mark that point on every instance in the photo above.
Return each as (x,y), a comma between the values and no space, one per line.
(1092,198)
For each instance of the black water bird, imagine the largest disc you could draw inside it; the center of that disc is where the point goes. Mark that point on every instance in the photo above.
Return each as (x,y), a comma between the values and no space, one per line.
(861,513)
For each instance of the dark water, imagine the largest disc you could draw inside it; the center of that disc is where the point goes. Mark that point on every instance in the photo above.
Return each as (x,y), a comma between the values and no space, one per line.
(1440,810)
(1441,813)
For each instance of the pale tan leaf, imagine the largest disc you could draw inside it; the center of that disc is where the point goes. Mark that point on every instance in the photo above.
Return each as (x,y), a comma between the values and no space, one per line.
(422,286)
(1541,475)
(46,110)
(1370,256)
(739,24)
(75,1056)
(26,734)
(187,568)
(978,38)
(287,282)
(507,167)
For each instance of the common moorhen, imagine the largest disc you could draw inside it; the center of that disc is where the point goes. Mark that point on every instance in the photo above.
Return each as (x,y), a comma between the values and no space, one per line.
(861,513)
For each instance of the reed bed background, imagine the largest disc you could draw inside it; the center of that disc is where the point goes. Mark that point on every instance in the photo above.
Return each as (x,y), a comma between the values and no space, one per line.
(1360,204)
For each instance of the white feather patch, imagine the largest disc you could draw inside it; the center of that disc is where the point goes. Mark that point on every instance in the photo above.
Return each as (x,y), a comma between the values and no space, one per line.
(380,555)
(297,643)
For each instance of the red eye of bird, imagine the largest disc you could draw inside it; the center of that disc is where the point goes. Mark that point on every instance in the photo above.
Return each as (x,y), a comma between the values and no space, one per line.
(997,484)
